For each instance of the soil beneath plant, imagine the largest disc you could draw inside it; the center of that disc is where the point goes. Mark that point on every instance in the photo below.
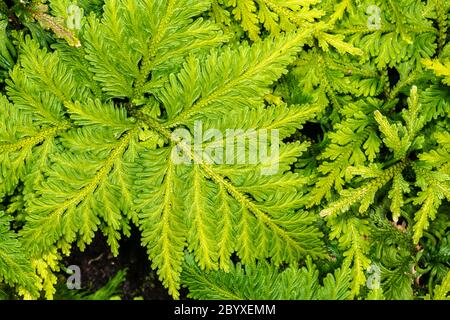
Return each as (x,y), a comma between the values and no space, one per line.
(98,265)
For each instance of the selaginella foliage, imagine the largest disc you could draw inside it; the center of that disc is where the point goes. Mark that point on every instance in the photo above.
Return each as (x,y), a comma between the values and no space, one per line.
(358,91)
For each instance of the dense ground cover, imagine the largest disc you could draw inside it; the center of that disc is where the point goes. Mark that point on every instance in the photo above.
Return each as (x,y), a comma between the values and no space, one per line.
(254,149)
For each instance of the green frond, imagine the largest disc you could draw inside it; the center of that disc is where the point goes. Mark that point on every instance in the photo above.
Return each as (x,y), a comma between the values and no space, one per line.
(412,115)
(286,119)
(15,266)
(397,284)
(353,142)
(435,187)
(74,203)
(439,157)
(45,268)
(352,234)
(376,294)
(22,145)
(57,25)
(74,60)
(337,41)
(334,75)
(392,136)
(8,52)
(164,229)
(386,38)
(397,137)
(265,282)
(441,291)
(272,15)
(399,187)
(266,226)
(435,101)
(364,194)
(339,11)
(149,39)
(95,113)
(41,69)
(442,69)
(224,79)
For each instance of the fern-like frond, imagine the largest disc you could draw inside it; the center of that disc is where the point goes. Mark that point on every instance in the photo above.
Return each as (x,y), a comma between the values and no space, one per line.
(353,234)
(441,291)
(264,282)
(365,194)
(435,187)
(265,226)
(353,143)
(220,84)
(272,15)
(442,69)
(72,202)
(15,267)
(149,39)
(22,145)
(391,32)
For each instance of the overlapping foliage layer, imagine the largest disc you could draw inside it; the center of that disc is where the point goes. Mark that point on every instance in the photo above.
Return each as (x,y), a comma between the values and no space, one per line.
(93,92)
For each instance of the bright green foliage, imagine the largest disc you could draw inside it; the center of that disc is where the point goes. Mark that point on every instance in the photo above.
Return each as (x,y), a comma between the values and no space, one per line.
(352,234)
(15,266)
(97,168)
(261,222)
(441,291)
(7,50)
(272,15)
(276,16)
(120,122)
(264,282)
(401,139)
(441,69)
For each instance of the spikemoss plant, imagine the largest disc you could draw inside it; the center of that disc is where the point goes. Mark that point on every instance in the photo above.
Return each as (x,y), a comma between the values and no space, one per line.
(96,95)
